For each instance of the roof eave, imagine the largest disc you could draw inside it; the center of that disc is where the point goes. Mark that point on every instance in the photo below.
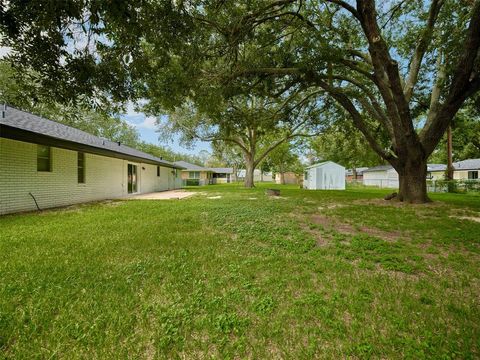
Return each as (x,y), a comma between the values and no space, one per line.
(13,133)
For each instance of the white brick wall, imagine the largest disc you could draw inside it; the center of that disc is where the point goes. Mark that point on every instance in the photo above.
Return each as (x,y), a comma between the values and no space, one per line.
(105,178)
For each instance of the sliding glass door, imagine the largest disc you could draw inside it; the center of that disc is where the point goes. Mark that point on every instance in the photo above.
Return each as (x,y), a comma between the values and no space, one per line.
(132,178)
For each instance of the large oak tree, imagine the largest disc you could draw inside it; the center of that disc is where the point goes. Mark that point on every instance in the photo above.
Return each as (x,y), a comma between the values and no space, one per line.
(401,69)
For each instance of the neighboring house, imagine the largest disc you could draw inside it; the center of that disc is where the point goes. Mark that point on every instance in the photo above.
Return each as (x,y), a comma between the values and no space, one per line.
(193,174)
(326,175)
(466,169)
(436,171)
(222,175)
(45,164)
(289,177)
(199,175)
(385,176)
(258,176)
(356,175)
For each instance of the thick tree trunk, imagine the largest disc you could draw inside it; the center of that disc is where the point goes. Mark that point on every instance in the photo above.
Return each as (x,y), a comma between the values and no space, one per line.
(282,178)
(413,182)
(249,171)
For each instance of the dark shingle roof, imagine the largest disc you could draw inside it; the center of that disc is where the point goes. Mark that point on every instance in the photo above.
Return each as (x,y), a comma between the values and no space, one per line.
(35,124)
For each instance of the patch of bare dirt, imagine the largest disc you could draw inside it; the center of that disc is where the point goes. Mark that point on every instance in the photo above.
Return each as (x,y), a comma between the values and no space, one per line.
(348,229)
(320,239)
(331,206)
(80,206)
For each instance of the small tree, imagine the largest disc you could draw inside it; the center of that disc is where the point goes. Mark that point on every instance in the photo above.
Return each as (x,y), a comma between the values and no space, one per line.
(283,159)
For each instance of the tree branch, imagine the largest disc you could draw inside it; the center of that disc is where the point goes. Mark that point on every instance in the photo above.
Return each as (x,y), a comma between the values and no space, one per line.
(346,6)
(357,118)
(421,48)
(464,84)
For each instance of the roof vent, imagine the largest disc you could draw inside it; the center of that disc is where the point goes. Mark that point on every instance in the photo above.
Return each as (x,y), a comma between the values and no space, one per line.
(161,157)
(4,111)
(119,143)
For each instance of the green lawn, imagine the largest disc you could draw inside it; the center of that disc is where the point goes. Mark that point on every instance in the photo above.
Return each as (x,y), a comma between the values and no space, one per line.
(309,275)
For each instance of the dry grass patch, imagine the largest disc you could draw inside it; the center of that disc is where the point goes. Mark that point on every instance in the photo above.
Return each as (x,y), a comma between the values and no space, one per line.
(329,223)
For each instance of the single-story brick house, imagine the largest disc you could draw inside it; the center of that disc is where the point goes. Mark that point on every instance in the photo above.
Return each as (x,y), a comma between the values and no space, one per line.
(45,164)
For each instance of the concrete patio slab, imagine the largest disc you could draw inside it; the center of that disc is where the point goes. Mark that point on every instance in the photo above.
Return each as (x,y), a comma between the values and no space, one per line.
(162,195)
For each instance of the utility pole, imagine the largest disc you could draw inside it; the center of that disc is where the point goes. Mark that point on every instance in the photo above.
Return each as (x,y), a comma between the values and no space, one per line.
(449,154)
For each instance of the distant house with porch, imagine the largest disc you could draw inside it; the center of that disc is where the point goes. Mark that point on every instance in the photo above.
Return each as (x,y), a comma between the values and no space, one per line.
(222,175)
(193,174)
(45,164)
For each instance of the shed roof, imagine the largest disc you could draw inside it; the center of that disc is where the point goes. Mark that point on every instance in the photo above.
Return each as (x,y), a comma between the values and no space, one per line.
(323,163)
(24,126)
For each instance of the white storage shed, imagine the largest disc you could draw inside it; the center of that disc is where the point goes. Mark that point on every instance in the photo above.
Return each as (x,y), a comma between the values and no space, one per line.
(324,176)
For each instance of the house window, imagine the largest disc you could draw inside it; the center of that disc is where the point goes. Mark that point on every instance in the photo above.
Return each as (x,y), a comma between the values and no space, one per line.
(305,176)
(43,158)
(194,174)
(473,175)
(158,170)
(81,167)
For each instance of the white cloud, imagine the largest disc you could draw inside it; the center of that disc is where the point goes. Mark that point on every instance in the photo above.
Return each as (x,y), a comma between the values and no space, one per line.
(130,109)
(4,51)
(149,123)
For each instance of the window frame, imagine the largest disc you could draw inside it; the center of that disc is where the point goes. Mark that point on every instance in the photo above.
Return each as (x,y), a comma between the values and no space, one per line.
(81,155)
(194,173)
(49,158)
(158,170)
(471,175)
